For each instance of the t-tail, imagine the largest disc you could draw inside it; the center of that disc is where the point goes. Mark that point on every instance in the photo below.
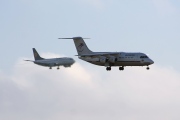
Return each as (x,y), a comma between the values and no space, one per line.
(36,55)
(81,46)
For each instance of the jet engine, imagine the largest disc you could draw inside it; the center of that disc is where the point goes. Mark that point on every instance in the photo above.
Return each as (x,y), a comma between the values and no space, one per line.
(112,59)
(103,59)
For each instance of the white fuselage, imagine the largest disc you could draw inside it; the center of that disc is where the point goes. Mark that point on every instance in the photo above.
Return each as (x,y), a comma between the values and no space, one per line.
(66,62)
(109,59)
(120,59)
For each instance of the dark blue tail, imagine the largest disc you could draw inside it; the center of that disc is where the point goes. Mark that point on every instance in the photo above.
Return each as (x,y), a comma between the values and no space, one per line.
(36,55)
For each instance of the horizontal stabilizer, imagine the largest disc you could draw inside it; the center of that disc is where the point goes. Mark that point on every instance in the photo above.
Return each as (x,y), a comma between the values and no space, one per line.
(29,60)
(74,38)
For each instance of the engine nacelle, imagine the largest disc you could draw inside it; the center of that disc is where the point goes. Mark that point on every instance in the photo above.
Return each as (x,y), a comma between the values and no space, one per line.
(112,59)
(103,59)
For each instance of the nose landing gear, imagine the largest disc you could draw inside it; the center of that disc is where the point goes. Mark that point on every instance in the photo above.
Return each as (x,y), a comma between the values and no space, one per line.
(58,68)
(147,68)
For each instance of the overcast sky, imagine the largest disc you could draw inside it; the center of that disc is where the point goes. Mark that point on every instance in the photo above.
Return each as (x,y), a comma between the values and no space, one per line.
(86,91)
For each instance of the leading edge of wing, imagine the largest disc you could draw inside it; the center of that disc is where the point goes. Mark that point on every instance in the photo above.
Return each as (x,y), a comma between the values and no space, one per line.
(98,54)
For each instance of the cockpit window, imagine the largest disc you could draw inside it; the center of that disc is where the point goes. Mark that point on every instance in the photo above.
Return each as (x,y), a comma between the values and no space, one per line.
(143,56)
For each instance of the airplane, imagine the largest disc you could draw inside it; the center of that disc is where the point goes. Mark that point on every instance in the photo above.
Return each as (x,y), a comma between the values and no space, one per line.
(63,61)
(110,59)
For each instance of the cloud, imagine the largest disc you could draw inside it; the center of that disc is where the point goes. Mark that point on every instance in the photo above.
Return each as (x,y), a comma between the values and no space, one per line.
(164,6)
(82,92)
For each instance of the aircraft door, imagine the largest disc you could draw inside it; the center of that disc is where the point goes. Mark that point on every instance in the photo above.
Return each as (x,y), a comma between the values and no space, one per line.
(141,59)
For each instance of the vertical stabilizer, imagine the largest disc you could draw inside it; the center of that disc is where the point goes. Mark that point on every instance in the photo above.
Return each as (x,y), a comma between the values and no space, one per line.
(36,55)
(81,46)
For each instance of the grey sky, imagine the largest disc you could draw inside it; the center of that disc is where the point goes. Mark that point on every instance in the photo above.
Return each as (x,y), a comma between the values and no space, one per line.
(150,26)
(86,91)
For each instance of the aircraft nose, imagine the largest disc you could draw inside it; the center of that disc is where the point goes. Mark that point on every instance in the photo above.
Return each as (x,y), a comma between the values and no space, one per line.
(73,61)
(151,62)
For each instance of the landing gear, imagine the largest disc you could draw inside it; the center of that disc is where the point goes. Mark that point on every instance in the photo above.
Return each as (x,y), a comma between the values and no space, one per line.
(50,67)
(108,68)
(58,68)
(121,68)
(147,68)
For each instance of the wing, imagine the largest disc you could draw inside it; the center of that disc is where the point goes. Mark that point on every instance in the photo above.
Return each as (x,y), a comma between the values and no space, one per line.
(99,54)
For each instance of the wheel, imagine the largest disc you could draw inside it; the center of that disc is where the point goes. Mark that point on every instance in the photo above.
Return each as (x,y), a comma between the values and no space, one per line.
(108,68)
(121,68)
(50,67)
(58,68)
(147,68)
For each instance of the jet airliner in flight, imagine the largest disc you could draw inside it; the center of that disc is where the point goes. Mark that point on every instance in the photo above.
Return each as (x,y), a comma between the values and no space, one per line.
(63,61)
(109,59)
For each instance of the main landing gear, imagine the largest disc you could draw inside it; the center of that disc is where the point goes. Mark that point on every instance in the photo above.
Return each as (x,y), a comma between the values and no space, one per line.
(121,68)
(51,68)
(108,68)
